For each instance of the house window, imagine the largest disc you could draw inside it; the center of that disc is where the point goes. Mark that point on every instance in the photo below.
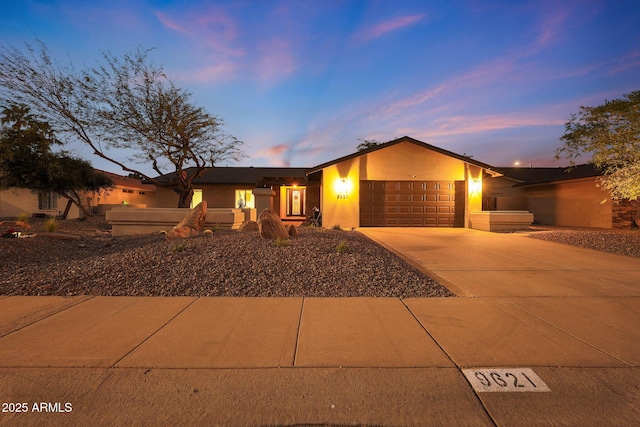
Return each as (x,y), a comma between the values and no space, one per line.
(245,199)
(196,198)
(126,190)
(47,201)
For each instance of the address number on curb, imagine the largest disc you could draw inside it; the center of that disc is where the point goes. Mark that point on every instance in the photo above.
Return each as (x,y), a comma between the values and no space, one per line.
(505,380)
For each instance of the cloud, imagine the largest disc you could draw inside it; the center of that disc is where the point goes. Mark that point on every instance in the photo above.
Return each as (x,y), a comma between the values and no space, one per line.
(385,27)
(276,59)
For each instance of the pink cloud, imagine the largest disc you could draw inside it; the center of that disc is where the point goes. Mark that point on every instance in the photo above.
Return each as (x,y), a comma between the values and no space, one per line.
(171,24)
(385,27)
(276,59)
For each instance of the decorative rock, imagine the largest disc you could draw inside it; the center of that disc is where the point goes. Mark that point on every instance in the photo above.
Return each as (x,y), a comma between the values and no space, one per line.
(16,224)
(270,226)
(248,227)
(182,233)
(293,231)
(195,218)
(191,225)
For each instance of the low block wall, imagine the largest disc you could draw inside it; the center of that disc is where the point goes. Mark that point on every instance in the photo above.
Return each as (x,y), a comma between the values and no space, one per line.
(128,221)
(500,220)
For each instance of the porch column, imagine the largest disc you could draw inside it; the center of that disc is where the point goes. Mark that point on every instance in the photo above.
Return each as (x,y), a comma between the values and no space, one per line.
(264,199)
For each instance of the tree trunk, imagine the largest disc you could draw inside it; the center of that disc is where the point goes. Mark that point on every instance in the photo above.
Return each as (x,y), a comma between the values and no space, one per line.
(185,198)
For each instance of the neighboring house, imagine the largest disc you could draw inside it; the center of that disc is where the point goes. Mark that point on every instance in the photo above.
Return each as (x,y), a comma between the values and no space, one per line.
(559,196)
(127,191)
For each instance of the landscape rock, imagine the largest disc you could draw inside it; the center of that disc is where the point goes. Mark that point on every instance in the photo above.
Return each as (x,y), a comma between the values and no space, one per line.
(248,227)
(270,226)
(182,233)
(195,218)
(191,225)
(15,224)
(293,231)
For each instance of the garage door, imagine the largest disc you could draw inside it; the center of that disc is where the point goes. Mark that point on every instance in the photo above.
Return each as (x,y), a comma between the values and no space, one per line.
(411,203)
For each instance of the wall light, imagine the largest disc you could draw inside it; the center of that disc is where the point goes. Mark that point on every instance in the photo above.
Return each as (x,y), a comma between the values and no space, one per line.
(343,188)
(475,186)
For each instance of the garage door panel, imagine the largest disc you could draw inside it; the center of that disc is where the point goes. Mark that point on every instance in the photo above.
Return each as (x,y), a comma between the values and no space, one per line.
(412,203)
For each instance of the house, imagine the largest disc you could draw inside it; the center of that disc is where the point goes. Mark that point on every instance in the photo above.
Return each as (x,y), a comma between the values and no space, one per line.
(285,190)
(559,196)
(409,183)
(404,182)
(126,191)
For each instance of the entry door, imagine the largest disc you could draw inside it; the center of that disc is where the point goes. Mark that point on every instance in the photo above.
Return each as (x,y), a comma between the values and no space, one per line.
(295,201)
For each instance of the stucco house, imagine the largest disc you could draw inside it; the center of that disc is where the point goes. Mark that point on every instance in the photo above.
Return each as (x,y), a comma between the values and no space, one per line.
(409,183)
(126,191)
(285,190)
(559,196)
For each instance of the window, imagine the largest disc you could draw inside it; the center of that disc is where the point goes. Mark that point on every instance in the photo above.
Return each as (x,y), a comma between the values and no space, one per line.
(126,190)
(47,201)
(245,199)
(196,198)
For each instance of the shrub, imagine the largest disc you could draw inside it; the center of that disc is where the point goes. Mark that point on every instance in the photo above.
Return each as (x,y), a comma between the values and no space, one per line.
(51,225)
(341,247)
(280,242)
(337,227)
(24,217)
(179,248)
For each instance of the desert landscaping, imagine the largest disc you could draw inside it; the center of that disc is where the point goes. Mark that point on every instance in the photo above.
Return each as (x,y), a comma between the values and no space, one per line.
(82,258)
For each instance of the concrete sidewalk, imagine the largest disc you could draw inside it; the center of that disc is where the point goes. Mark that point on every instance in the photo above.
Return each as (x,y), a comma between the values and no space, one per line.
(569,315)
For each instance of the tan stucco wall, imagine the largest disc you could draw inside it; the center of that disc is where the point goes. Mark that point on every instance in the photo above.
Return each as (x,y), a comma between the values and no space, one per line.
(15,201)
(216,196)
(576,204)
(406,162)
(401,162)
(117,196)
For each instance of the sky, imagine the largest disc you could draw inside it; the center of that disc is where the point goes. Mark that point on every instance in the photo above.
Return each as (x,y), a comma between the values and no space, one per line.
(301,82)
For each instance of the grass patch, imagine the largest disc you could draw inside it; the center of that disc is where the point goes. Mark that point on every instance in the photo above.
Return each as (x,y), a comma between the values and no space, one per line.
(280,242)
(24,217)
(337,227)
(179,248)
(51,225)
(342,247)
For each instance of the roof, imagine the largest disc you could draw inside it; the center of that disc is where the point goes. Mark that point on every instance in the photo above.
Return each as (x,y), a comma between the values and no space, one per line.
(127,181)
(246,175)
(533,176)
(490,169)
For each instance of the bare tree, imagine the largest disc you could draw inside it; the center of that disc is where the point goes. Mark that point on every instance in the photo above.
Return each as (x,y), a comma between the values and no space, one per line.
(123,103)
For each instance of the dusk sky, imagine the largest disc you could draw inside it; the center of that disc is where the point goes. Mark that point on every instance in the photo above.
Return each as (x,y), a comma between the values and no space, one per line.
(301,81)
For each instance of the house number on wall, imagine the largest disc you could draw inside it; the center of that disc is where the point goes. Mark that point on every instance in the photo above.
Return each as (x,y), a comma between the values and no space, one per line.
(505,380)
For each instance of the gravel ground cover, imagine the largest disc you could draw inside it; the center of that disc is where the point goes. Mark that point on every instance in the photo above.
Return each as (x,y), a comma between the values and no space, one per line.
(229,263)
(621,242)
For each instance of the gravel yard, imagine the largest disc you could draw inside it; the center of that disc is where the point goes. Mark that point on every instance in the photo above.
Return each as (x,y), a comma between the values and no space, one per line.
(621,242)
(229,263)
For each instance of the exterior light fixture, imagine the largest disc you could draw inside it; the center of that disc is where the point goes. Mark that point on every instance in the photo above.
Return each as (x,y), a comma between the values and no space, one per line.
(343,189)
(475,186)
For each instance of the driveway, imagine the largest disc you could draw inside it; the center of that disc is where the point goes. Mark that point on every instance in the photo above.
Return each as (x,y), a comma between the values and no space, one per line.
(476,263)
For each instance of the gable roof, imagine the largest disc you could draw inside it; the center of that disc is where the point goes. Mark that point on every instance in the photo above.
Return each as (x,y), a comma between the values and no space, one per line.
(534,176)
(489,169)
(245,175)
(127,181)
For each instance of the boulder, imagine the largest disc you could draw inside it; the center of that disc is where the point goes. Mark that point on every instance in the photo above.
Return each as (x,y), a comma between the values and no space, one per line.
(15,224)
(293,231)
(182,233)
(248,227)
(195,218)
(191,225)
(270,226)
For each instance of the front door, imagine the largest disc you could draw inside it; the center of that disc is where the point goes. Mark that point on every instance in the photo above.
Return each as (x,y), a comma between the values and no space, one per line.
(295,201)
